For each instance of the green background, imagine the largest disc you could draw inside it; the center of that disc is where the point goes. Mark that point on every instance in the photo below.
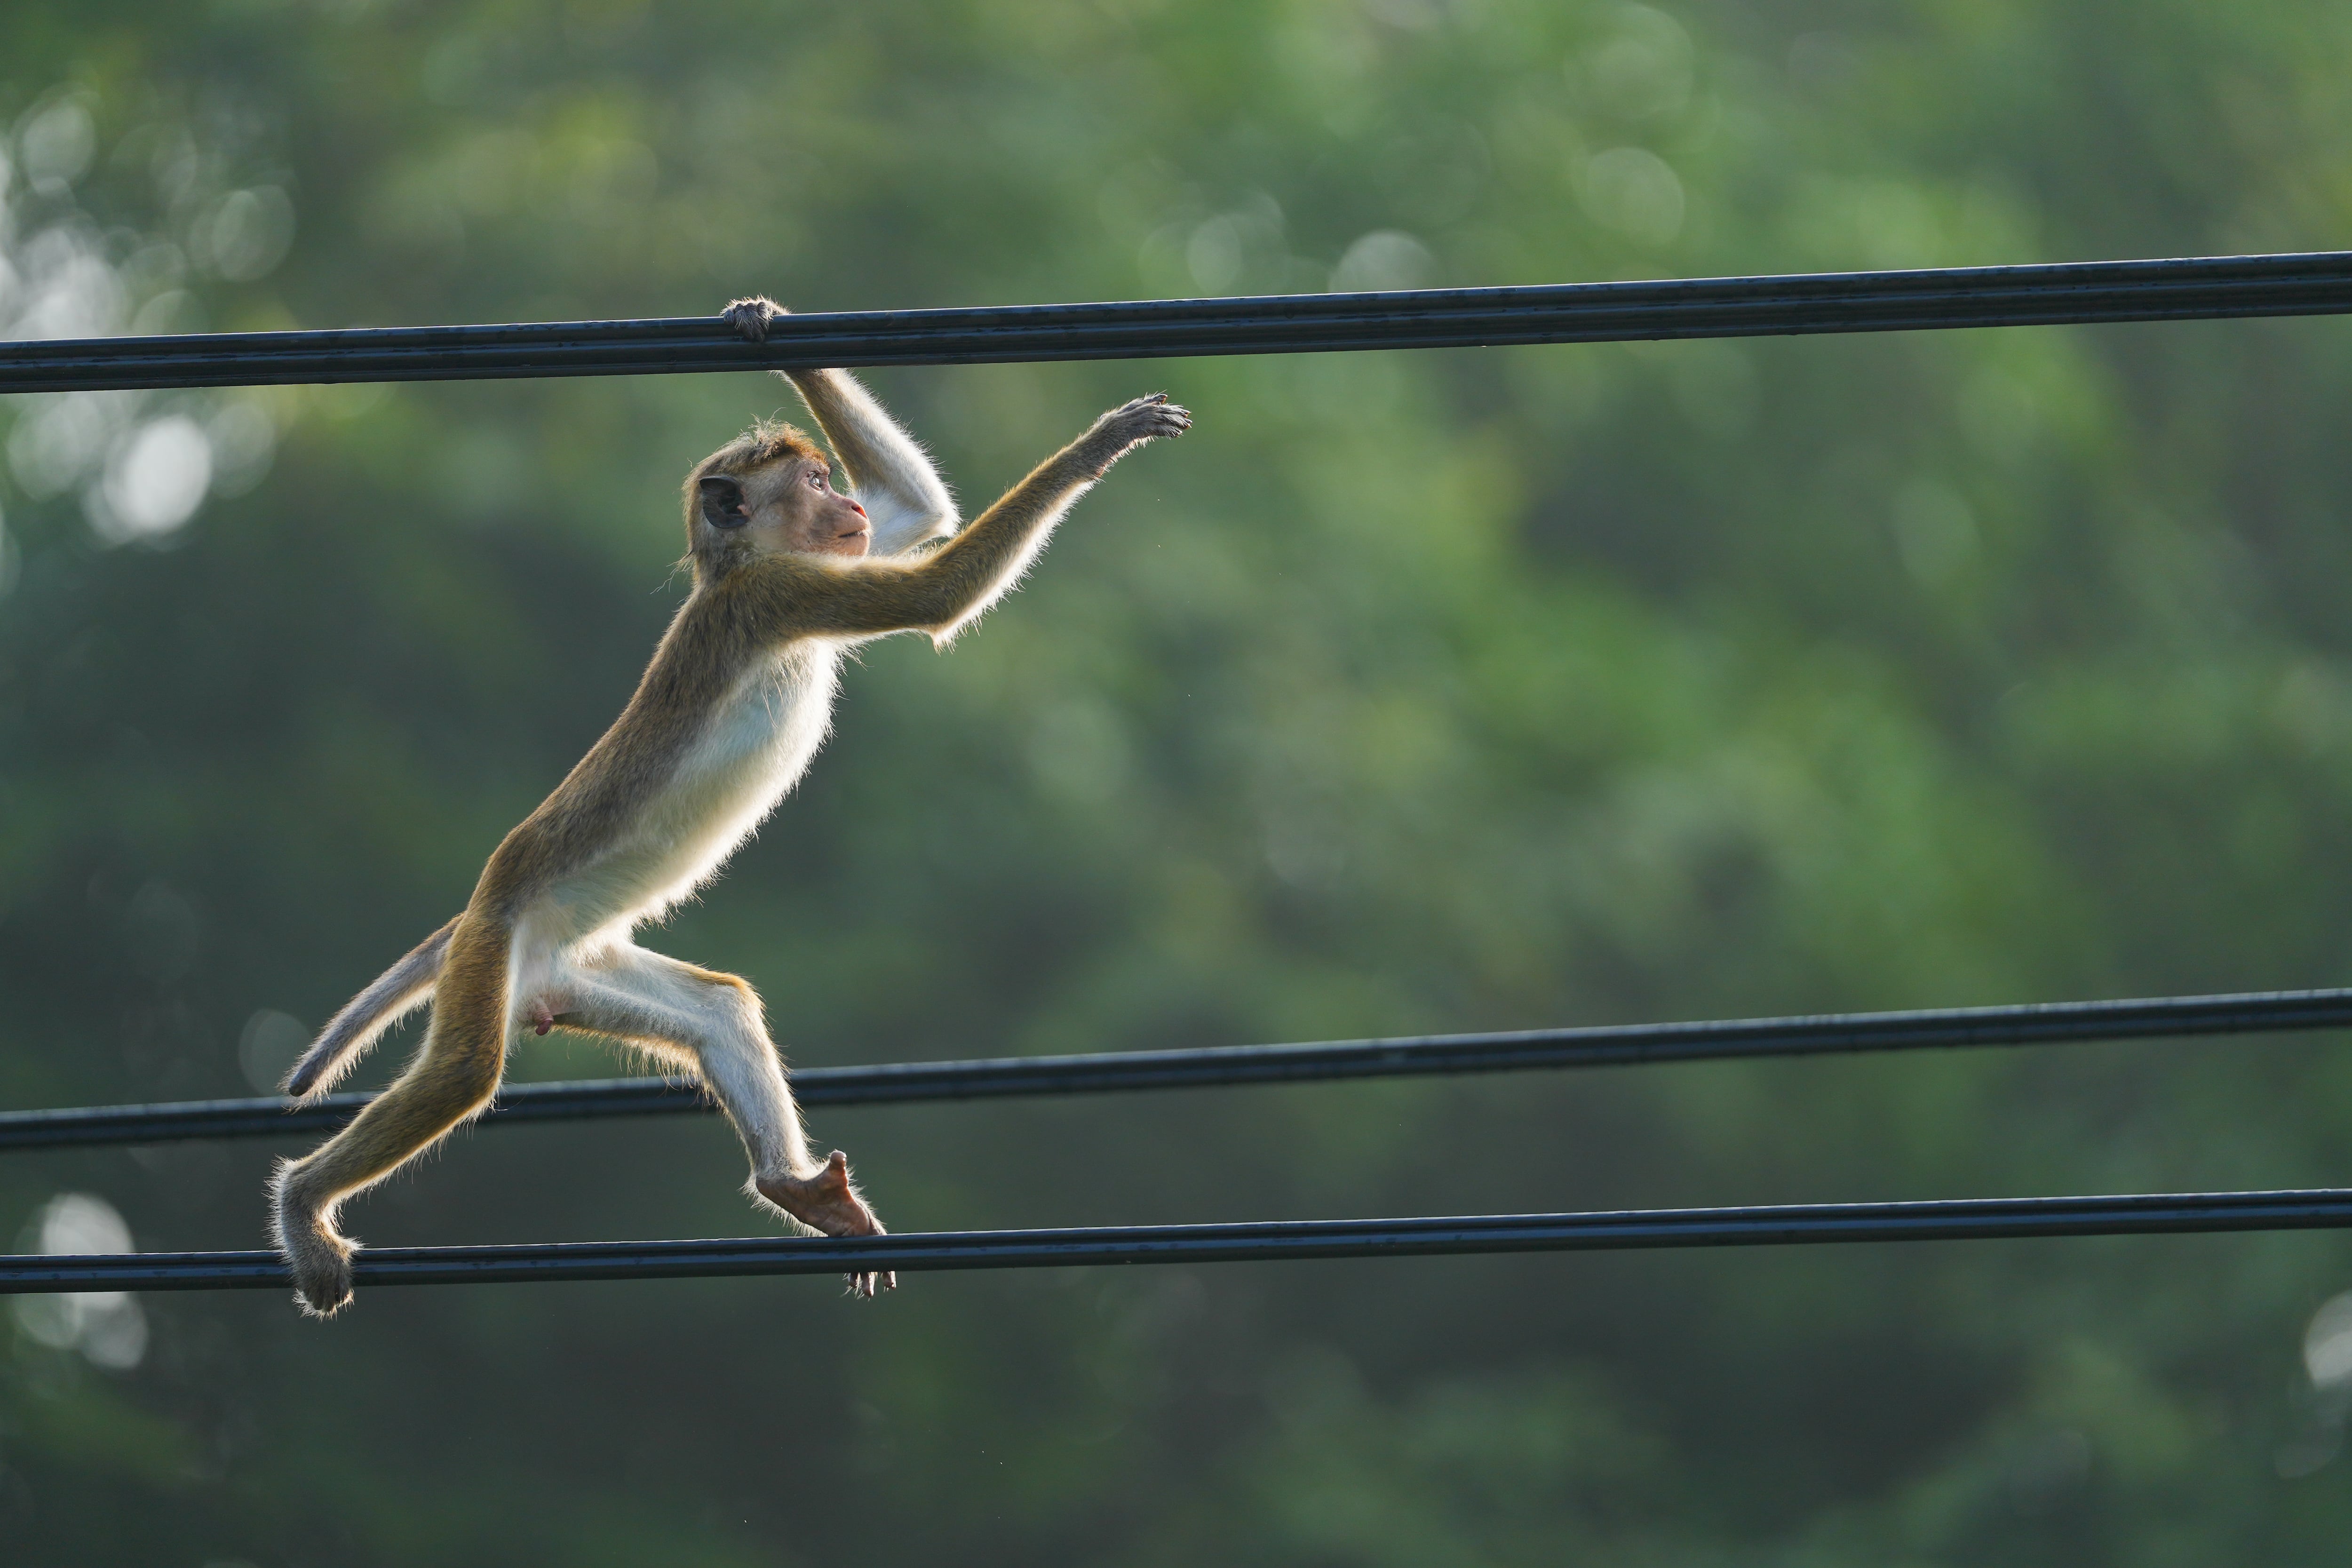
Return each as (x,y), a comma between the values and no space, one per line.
(1410,692)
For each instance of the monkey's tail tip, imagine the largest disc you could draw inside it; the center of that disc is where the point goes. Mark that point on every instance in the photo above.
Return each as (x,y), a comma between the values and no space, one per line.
(366,1016)
(330,1056)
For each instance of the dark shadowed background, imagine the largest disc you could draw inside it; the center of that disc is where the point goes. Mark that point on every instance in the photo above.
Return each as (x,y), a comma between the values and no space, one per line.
(1410,692)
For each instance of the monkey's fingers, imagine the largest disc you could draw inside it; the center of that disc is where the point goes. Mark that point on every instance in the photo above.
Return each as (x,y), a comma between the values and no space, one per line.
(1149,419)
(1163,421)
(750,316)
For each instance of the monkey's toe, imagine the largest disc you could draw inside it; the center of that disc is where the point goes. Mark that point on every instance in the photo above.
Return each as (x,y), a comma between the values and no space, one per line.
(864,1287)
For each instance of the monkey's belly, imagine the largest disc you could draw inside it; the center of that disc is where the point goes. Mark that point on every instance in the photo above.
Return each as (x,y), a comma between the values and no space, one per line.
(755,749)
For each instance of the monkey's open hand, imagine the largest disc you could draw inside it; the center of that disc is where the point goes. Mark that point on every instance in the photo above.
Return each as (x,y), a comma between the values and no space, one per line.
(751,317)
(829,1203)
(1130,425)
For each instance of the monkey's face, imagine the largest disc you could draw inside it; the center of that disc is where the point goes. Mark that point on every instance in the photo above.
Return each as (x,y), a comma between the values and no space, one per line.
(787,507)
(803,512)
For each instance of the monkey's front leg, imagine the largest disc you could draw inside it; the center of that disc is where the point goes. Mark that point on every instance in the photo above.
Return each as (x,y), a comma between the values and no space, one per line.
(679,1010)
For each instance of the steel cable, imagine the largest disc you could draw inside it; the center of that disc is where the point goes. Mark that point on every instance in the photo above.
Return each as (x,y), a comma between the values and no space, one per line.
(2186,288)
(1268,1241)
(2058,1023)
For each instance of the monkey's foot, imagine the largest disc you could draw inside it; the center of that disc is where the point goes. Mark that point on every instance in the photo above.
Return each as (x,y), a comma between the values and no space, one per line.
(319,1261)
(829,1203)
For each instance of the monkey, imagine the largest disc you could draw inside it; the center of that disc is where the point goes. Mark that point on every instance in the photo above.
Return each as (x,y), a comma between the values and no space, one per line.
(787,574)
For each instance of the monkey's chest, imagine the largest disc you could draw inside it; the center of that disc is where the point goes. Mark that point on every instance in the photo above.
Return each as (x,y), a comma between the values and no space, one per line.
(756,745)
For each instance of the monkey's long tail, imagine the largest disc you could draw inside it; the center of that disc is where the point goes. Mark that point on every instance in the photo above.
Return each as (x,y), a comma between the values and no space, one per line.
(397,991)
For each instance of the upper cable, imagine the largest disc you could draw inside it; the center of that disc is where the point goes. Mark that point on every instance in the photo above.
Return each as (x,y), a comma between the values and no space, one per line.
(2188,289)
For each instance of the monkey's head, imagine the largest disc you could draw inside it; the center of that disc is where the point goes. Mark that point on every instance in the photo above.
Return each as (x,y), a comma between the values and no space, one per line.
(768,491)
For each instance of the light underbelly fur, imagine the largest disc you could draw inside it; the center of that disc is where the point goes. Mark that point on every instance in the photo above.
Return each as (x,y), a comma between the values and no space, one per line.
(758,743)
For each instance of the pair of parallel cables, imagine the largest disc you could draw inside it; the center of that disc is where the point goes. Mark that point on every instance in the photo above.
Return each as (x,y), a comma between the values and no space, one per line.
(2193,288)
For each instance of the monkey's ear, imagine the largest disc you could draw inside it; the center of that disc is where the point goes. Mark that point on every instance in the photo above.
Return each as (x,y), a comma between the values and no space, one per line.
(720,501)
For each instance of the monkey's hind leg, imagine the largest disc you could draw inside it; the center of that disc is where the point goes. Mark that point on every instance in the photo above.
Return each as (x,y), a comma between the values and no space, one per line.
(453,1078)
(681,1012)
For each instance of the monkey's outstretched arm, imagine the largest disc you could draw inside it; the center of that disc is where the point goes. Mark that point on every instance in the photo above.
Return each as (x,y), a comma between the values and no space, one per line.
(905,500)
(942,593)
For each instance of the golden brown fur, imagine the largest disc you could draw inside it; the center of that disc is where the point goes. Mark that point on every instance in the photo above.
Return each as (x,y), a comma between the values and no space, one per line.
(724,718)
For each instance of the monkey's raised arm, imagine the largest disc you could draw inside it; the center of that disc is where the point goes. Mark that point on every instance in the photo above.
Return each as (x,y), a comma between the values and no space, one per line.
(905,500)
(942,593)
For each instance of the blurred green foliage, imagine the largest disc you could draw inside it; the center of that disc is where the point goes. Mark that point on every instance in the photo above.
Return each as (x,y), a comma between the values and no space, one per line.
(1413,691)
